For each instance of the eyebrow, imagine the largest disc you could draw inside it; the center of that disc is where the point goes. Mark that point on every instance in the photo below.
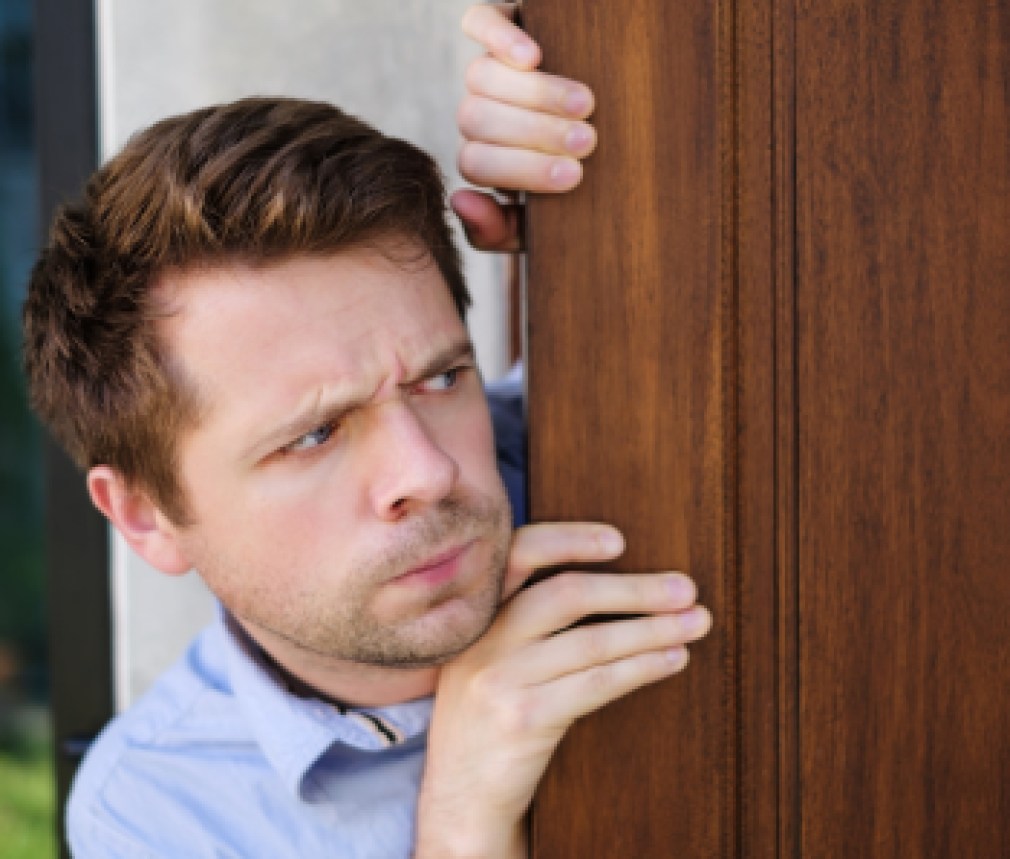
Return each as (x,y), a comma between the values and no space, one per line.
(442,360)
(320,411)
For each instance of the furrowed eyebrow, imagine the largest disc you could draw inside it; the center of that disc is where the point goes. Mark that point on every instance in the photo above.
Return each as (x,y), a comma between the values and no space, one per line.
(442,360)
(303,422)
(321,412)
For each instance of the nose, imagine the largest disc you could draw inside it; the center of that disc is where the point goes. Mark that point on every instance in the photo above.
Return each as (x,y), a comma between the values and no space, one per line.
(411,469)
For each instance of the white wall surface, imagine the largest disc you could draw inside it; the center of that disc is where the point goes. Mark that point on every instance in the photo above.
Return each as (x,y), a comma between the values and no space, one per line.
(396,63)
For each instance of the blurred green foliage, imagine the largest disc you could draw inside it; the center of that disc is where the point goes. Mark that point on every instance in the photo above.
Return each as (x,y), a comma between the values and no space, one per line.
(27,790)
(27,798)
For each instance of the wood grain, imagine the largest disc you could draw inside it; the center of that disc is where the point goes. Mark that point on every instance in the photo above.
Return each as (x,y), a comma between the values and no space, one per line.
(630,323)
(770,339)
(903,231)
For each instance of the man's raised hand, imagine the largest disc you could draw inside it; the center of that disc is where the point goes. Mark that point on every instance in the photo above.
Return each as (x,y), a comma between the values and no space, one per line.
(523,129)
(502,706)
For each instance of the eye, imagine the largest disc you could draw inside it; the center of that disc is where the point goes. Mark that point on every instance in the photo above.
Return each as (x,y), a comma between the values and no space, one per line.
(443,381)
(319,436)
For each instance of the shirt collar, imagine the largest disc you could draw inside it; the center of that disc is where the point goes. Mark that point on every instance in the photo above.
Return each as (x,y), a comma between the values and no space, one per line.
(294,733)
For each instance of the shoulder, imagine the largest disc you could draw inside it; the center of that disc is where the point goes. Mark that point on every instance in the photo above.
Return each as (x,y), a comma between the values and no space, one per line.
(147,758)
(505,402)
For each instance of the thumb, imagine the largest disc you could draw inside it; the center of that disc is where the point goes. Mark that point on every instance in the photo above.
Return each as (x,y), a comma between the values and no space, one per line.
(549,544)
(489,225)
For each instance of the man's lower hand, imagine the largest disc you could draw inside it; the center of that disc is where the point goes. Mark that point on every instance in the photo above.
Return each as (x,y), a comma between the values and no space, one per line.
(503,705)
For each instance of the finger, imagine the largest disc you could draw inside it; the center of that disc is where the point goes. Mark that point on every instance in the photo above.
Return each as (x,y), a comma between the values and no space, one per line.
(561,600)
(487,121)
(583,647)
(489,24)
(560,702)
(537,91)
(489,225)
(517,169)
(548,544)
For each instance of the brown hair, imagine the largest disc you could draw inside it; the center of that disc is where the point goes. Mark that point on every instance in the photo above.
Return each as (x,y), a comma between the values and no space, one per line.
(255,181)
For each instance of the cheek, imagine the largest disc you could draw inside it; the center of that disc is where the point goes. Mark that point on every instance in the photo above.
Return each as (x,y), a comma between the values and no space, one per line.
(469,439)
(270,519)
(307,515)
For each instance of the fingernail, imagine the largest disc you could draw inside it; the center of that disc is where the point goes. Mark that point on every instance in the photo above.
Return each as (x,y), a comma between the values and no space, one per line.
(522,53)
(577,101)
(681,588)
(578,138)
(612,541)
(677,656)
(695,621)
(565,172)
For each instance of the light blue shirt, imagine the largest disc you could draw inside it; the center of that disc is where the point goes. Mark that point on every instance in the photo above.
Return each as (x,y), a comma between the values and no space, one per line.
(220,760)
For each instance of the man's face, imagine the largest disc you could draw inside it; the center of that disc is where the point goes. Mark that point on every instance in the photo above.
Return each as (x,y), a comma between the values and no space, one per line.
(342,484)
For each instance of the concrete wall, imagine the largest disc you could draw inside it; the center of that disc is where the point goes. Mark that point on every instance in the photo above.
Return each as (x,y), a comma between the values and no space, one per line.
(396,63)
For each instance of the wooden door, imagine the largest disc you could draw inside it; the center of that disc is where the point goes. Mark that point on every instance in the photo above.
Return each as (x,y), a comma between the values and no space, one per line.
(770,339)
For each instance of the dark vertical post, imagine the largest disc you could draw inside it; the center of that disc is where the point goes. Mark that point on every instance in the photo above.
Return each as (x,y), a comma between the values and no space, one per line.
(77,537)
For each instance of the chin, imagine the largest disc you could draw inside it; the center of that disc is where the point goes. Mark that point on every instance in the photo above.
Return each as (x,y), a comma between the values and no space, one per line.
(440,636)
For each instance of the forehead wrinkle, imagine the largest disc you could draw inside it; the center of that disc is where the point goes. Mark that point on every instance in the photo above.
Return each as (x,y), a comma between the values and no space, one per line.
(364,357)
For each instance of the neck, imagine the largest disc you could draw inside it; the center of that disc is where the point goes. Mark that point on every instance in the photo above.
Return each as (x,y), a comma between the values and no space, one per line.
(311,675)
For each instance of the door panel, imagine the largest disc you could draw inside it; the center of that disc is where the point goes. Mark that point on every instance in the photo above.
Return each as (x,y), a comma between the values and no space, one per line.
(769,339)
(903,304)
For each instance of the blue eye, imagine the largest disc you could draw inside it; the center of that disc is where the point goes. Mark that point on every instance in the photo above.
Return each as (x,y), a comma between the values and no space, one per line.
(318,436)
(443,381)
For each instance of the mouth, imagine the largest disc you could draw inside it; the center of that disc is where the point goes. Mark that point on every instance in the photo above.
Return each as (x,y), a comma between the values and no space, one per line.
(437,570)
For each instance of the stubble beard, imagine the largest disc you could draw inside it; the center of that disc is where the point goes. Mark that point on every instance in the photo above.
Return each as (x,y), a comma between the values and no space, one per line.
(351,632)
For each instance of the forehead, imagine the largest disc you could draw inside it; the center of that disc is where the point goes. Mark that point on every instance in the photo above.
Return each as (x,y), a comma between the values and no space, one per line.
(269,335)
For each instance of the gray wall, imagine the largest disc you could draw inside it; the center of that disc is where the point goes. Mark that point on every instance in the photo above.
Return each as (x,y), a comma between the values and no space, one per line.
(396,63)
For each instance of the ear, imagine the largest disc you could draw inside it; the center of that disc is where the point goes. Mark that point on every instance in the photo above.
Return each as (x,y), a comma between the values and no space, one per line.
(148,531)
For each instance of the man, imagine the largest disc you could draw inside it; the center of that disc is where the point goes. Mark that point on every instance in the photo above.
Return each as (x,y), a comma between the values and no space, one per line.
(250,334)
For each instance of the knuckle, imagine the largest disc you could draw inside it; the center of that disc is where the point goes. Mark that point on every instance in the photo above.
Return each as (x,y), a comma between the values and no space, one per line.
(601,677)
(549,93)
(478,74)
(665,630)
(487,685)
(467,114)
(647,589)
(470,22)
(555,131)
(569,590)
(596,642)
(515,714)
(468,162)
